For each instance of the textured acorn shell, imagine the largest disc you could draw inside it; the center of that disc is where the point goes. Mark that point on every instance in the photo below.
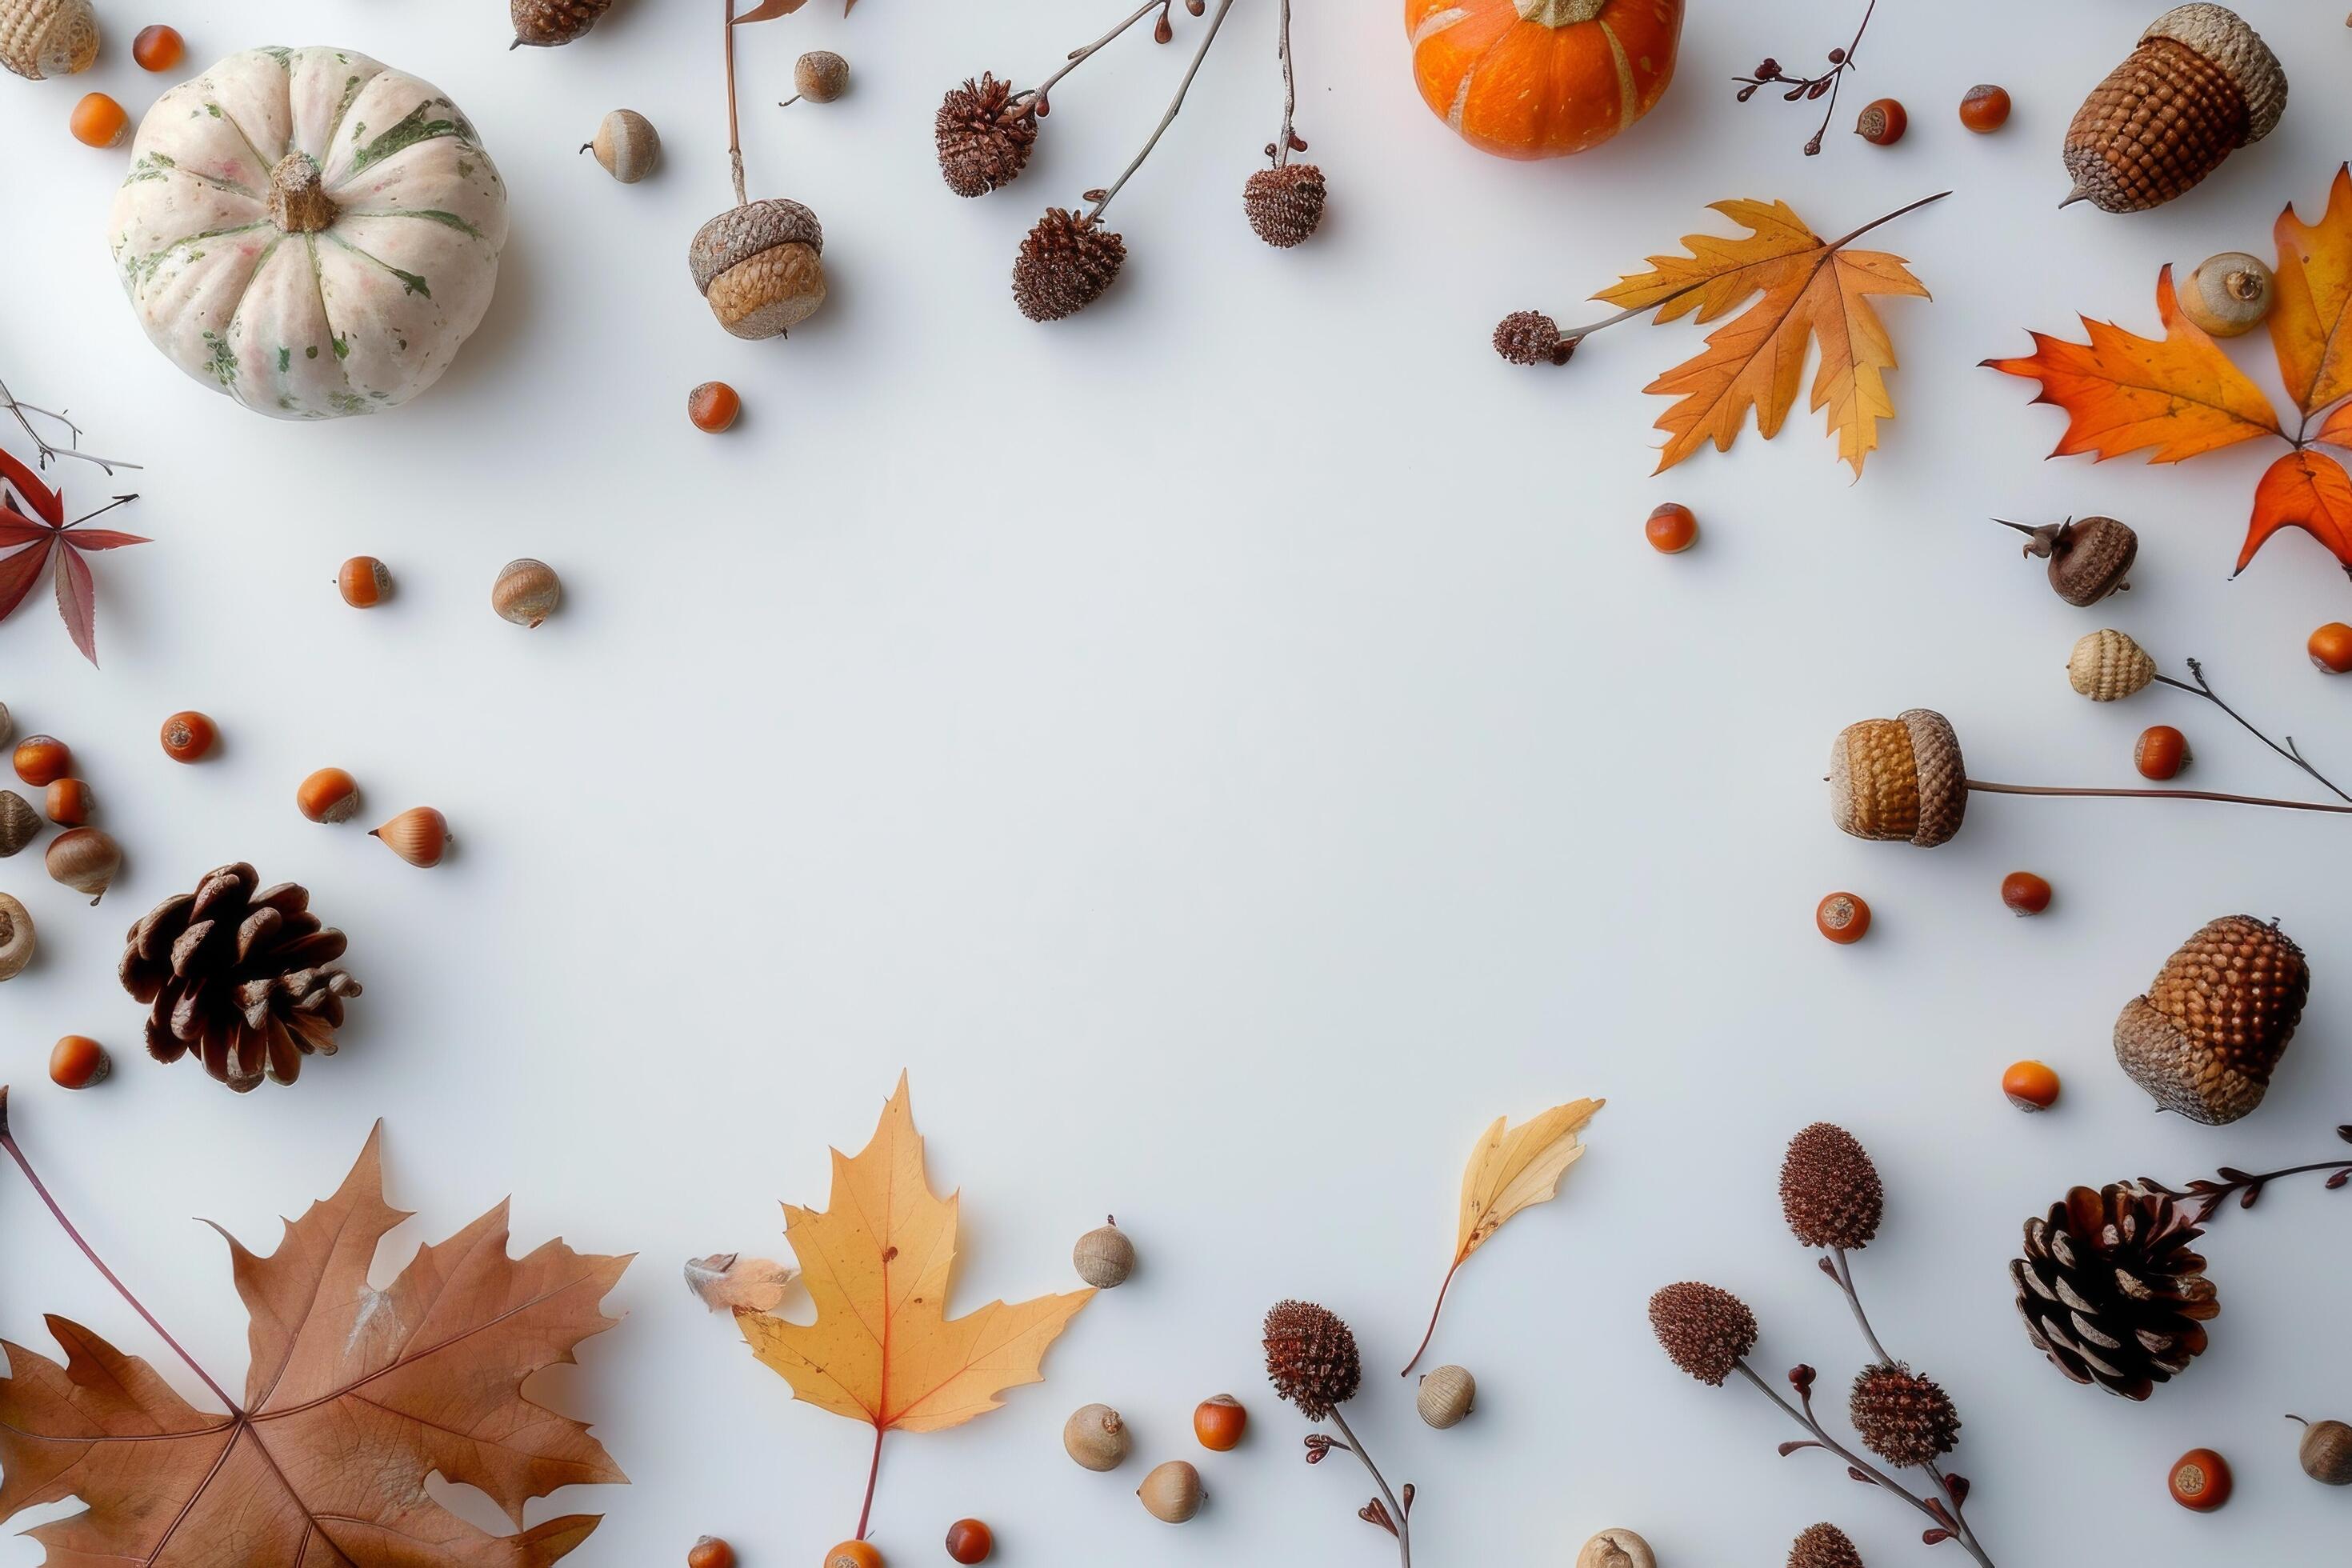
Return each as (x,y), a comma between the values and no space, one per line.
(2107,666)
(759,265)
(2201,84)
(48,37)
(2208,1032)
(2091,559)
(1445,1396)
(1899,778)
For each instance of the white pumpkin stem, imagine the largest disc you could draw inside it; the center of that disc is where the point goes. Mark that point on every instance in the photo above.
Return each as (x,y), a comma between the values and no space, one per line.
(298,203)
(1559,12)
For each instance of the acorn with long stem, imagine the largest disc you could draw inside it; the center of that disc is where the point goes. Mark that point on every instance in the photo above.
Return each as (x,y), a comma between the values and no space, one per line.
(759,263)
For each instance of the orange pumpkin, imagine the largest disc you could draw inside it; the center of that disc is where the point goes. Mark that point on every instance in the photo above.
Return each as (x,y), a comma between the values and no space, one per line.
(1540,78)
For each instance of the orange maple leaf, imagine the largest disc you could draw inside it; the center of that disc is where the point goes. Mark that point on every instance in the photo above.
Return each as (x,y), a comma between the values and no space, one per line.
(879,1263)
(353,1397)
(2311,299)
(2304,489)
(1812,290)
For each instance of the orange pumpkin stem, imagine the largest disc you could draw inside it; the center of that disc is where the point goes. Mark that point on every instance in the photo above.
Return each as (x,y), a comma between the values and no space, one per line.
(1559,12)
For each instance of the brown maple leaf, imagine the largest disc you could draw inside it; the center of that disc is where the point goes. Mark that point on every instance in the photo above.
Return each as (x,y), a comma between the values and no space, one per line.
(353,1396)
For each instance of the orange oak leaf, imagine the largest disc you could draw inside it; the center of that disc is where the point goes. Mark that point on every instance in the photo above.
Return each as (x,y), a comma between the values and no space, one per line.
(2304,489)
(353,1397)
(1805,290)
(2121,392)
(2311,308)
(878,1263)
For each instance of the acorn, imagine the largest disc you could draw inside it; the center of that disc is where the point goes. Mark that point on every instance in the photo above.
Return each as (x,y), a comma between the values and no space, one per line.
(86,860)
(15,937)
(2106,666)
(526,592)
(1103,1257)
(19,823)
(48,37)
(820,76)
(544,24)
(2229,295)
(419,836)
(627,145)
(2089,556)
(2201,85)
(1899,778)
(1445,1396)
(2326,1452)
(1172,1493)
(1097,1437)
(759,266)
(2209,1030)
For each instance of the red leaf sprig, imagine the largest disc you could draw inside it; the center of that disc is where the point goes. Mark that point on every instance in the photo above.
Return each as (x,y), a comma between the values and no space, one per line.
(33,526)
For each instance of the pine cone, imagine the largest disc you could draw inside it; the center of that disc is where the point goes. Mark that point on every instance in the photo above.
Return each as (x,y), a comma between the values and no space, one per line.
(1285,205)
(1064,266)
(1310,1355)
(1824,1546)
(2208,1033)
(1904,1418)
(2110,1290)
(1829,1189)
(243,977)
(1704,1328)
(984,141)
(543,24)
(1530,337)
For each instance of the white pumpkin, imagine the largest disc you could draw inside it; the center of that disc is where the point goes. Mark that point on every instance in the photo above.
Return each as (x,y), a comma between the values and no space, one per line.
(309,231)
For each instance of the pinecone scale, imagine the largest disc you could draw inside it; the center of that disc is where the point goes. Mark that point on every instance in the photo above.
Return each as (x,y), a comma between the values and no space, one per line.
(2111,1292)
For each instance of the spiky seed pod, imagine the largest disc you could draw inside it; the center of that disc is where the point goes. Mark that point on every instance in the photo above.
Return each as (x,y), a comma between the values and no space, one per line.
(1824,1546)
(1530,337)
(1904,1418)
(1285,205)
(1899,778)
(983,138)
(1704,1329)
(1065,265)
(2110,1290)
(2201,85)
(2107,666)
(1310,1356)
(1830,1190)
(543,24)
(2213,1026)
(760,266)
(48,37)
(2089,556)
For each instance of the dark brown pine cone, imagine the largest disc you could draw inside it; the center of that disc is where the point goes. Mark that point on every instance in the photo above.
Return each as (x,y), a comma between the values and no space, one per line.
(1285,205)
(241,975)
(1904,1418)
(984,141)
(1829,1189)
(1064,266)
(2110,1290)
(545,23)
(1530,337)
(1310,1355)
(1704,1328)
(1824,1546)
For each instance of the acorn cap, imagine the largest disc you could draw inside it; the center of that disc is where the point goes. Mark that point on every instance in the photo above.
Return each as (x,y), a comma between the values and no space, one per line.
(1899,778)
(2107,666)
(2222,37)
(2213,1026)
(740,233)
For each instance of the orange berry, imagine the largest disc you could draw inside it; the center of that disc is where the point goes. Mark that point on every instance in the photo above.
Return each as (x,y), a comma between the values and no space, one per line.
(1843,918)
(2200,1480)
(713,406)
(1218,1422)
(329,794)
(158,48)
(69,804)
(710,1551)
(2161,753)
(2031,1086)
(2025,893)
(99,121)
(969,1541)
(2331,647)
(189,737)
(1672,529)
(78,1061)
(1985,108)
(42,760)
(1882,123)
(853,1555)
(364,581)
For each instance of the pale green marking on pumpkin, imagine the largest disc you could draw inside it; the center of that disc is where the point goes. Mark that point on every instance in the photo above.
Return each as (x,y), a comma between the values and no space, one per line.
(465,170)
(350,403)
(284,359)
(430,215)
(223,363)
(282,55)
(350,90)
(142,267)
(165,159)
(412,128)
(311,353)
(342,346)
(141,172)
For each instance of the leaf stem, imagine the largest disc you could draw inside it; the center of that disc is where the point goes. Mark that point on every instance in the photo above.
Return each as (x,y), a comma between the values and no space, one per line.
(1431,1333)
(8,1141)
(2203,688)
(1989,788)
(1168,118)
(873,1474)
(1396,1511)
(1079,56)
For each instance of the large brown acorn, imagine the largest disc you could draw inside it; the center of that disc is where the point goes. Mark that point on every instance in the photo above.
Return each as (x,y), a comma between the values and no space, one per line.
(2089,556)
(2201,85)
(759,263)
(2206,1037)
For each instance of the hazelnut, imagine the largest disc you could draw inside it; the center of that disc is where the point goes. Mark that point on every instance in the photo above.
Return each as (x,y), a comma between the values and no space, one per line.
(1097,1437)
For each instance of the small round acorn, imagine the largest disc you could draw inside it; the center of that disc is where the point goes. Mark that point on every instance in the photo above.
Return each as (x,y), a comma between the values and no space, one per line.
(1984,108)
(2025,893)
(1218,1422)
(1445,1396)
(1882,123)
(76,1061)
(2326,1452)
(627,145)
(1097,1437)
(1616,1548)
(2229,295)
(1844,918)
(328,795)
(364,581)
(188,736)
(1172,1493)
(710,1551)
(2160,753)
(853,1554)
(2200,1480)
(971,1541)
(1104,1257)
(712,407)
(526,592)
(2330,648)
(820,76)
(1671,529)
(2030,1086)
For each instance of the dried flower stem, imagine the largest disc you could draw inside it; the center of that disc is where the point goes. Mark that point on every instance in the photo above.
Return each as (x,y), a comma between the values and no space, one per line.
(2247,1185)
(1400,1521)
(46,451)
(1768,73)
(1175,104)
(2290,750)
(8,1141)
(734,134)
(1990,788)
(1862,1468)
(1281,143)
(1079,56)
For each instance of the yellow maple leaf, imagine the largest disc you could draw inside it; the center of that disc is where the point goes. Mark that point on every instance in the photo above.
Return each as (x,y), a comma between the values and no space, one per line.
(1512,1169)
(2312,301)
(878,1263)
